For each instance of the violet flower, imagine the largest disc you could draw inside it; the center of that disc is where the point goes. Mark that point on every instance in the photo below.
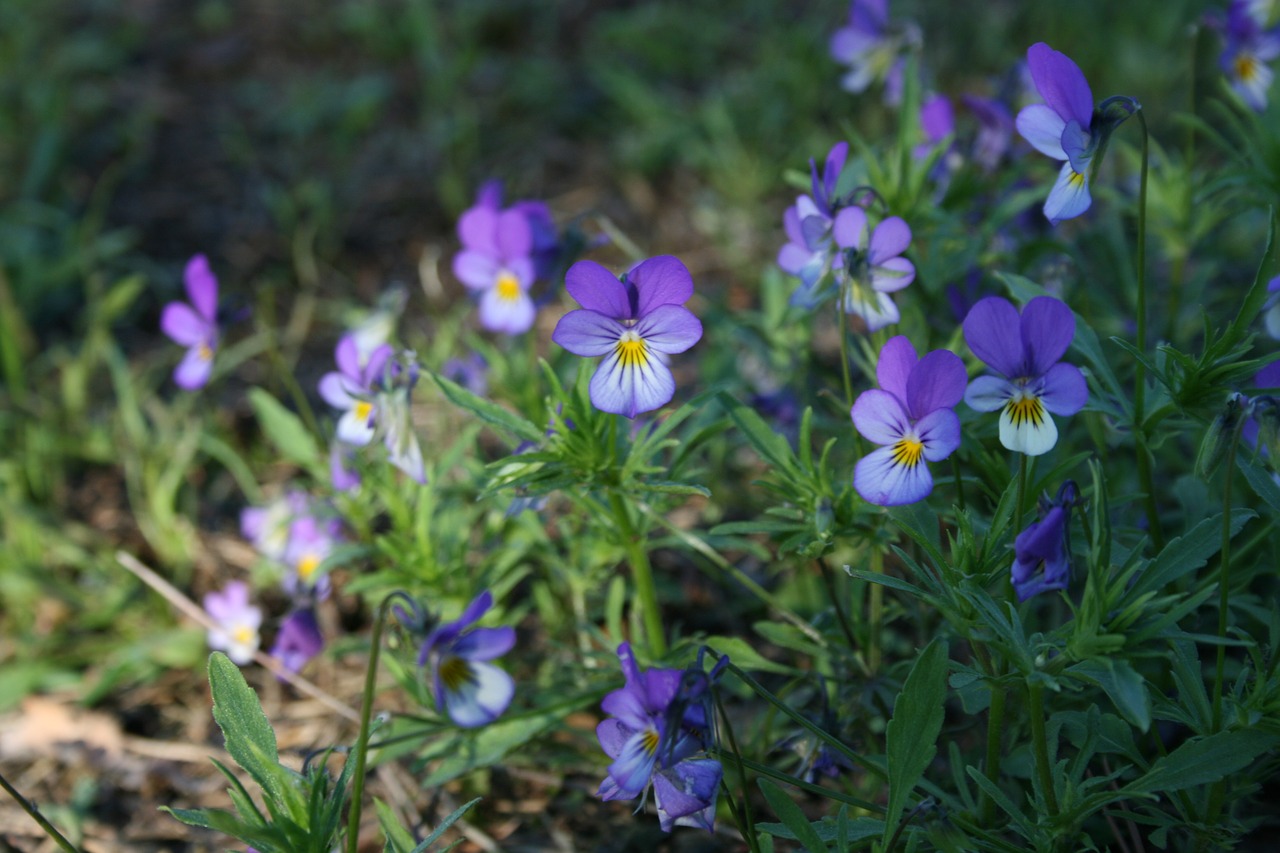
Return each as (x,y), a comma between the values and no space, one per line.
(1060,128)
(870,265)
(634,323)
(311,541)
(396,421)
(496,262)
(342,476)
(808,224)
(237,622)
(298,640)
(911,416)
(865,44)
(267,527)
(1042,558)
(351,388)
(1032,383)
(1250,43)
(472,691)
(194,326)
(995,130)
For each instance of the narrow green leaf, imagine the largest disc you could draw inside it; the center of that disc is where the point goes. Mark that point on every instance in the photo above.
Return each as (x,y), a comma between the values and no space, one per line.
(771,446)
(667,487)
(1203,760)
(1253,301)
(449,821)
(912,735)
(792,817)
(1126,688)
(828,830)
(285,430)
(1188,552)
(741,653)
(398,838)
(488,411)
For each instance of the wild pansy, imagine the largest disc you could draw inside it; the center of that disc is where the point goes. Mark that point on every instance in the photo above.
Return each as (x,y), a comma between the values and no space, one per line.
(1251,40)
(472,691)
(352,387)
(634,323)
(194,326)
(995,130)
(807,225)
(1032,383)
(1042,556)
(1066,126)
(394,402)
(659,723)
(911,417)
(311,540)
(267,527)
(869,266)
(868,45)
(237,622)
(298,640)
(342,476)
(497,262)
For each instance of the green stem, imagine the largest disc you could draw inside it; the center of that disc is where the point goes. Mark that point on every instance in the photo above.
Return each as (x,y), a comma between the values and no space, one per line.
(747,826)
(1140,371)
(875,612)
(1224,579)
(955,467)
(642,573)
(30,808)
(362,742)
(1021,498)
(1040,746)
(841,617)
(844,355)
(995,728)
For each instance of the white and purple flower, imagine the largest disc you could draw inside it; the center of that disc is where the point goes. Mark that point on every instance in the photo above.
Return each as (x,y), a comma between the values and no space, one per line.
(1059,128)
(807,224)
(871,266)
(237,622)
(472,691)
(194,326)
(352,388)
(1251,41)
(497,262)
(868,45)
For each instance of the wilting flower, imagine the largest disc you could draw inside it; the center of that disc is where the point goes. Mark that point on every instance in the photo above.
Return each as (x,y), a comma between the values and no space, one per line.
(1271,317)
(396,419)
(1042,558)
(1251,41)
(659,722)
(867,45)
(870,266)
(807,224)
(298,640)
(194,326)
(1032,383)
(472,691)
(237,620)
(911,416)
(351,388)
(496,261)
(634,323)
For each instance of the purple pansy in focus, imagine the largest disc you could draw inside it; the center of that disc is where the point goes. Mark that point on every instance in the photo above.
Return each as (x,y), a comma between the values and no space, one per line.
(472,691)
(351,388)
(1025,351)
(1060,128)
(1042,560)
(194,326)
(911,417)
(298,640)
(497,262)
(870,265)
(237,620)
(634,323)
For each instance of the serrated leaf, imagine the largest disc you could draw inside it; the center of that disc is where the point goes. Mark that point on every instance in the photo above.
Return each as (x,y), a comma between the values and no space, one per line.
(1126,688)
(285,430)
(1201,761)
(792,817)
(911,738)
(489,411)
(1188,552)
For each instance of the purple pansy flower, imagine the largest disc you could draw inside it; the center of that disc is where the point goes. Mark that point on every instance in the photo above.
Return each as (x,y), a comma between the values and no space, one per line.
(311,541)
(1250,43)
(471,372)
(238,622)
(1271,317)
(995,130)
(267,527)
(298,640)
(870,266)
(351,388)
(1060,128)
(396,420)
(1042,560)
(194,326)
(634,323)
(496,262)
(911,417)
(1032,382)
(472,691)
(865,44)
(807,225)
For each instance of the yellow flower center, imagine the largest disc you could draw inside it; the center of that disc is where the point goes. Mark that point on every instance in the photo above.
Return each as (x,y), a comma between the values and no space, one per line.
(1025,410)
(908,452)
(204,352)
(454,673)
(649,738)
(307,566)
(1077,179)
(508,286)
(1246,67)
(242,636)
(363,409)
(632,350)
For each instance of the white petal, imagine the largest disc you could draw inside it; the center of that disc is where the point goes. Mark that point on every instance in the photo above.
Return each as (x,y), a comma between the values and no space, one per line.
(1033,435)
(482,699)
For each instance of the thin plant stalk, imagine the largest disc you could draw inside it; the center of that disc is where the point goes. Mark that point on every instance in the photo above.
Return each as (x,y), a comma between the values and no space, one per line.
(875,612)
(1140,371)
(1224,580)
(1040,745)
(747,825)
(362,741)
(1020,497)
(995,728)
(30,808)
(841,617)
(844,353)
(642,574)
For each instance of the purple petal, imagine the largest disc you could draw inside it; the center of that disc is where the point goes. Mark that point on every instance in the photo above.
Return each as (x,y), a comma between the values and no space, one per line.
(613,736)
(514,237)
(663,280)
(633,767)
(834,165)
(791,225)
(195,368)
(597,289)
(1063,390)
(1269,376)
(937,119)
(202,287)
(478,607)
(1042,127)
(892,275)
(937,382)
(1061,83)
(476,269)
(850,228)
(629,707)
(183,325)
(879,417)
(376,365)
(338,390)
(897,358)
(685,795)
(880,480)
(669,329)
(989,332)
(1075,144)
(1069,197)
(347,356)
(639,386)
(477,229)
(1047,327)
(989,393)
(939,432)
(793,257)
(588,333)
(485,643)
(890,239)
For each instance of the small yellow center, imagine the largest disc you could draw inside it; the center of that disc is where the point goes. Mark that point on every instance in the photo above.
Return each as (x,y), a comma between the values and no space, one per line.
(1077,179)
(1025,410)
(632,351)
(649,738)
(508,286)
(204,352)
(908,452)
(307,566)
(242,636)
(454,673)
(1246,67)
(363,409)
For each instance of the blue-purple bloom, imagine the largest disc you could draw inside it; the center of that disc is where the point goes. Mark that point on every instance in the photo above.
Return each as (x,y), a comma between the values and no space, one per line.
(352,388)
(866,44)
(237,622)
(312,540)
(1032,382)
(1251,41)
(1060,128)
(298,640)
(807,225)
(634,323)
(472,691)
(911,416)
(497,261)
(194,326)
(267,527)
(870,266)
(995,130)
(659,723)
(1042,558)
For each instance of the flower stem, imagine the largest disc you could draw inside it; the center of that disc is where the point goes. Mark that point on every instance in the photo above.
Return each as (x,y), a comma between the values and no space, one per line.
(1140,371)
(1040,746)
(362,741)
(876,614)
(1021,496)
(642,572)
(995,727)
(955,467)
(841,617)
(30,808)
(844,356)
(1224,580)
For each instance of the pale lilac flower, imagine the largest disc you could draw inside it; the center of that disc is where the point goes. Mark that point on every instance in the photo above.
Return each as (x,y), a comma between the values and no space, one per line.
(1060,128)
(865,44)
(311,541)
(194,326)
(352,388)
(238,622)
(634,323)
(267,527)
(496,263)
(472,691)
(870,267)
(995,130)
(1250,43)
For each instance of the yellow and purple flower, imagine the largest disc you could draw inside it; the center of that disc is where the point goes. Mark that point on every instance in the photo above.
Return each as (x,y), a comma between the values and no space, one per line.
(352,389)
(1060,128)
(237,622)
(472,691)
(1251,40)
(634,323)
(911,416)
(497,262)
(1042,556)
(807,224)
(868,45)
(194,326)
(870,265)
(1032,383)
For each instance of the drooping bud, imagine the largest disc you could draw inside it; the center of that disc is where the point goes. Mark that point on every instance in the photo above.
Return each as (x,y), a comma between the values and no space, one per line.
(1220,434)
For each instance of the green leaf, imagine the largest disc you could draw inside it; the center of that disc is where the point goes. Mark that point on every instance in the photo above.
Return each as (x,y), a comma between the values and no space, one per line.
(1253,301)
(771,446)
(792,818)
(1260,480)
(398,838)
(1188,552)
(488,411)
(1203,760)
(1122,683)
(285,430)
(667,487)
(449,821)
(741,653)
(912,734)
(828,830)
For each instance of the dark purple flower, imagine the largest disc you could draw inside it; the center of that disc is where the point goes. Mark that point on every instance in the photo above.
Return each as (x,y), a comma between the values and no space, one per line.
(1042,560)
(870,266)
(298,640)
(194,326)
(634,323)
(351,388)
(1060,128)
(911,417)
(238,622)
(472,691)
(1032,381)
